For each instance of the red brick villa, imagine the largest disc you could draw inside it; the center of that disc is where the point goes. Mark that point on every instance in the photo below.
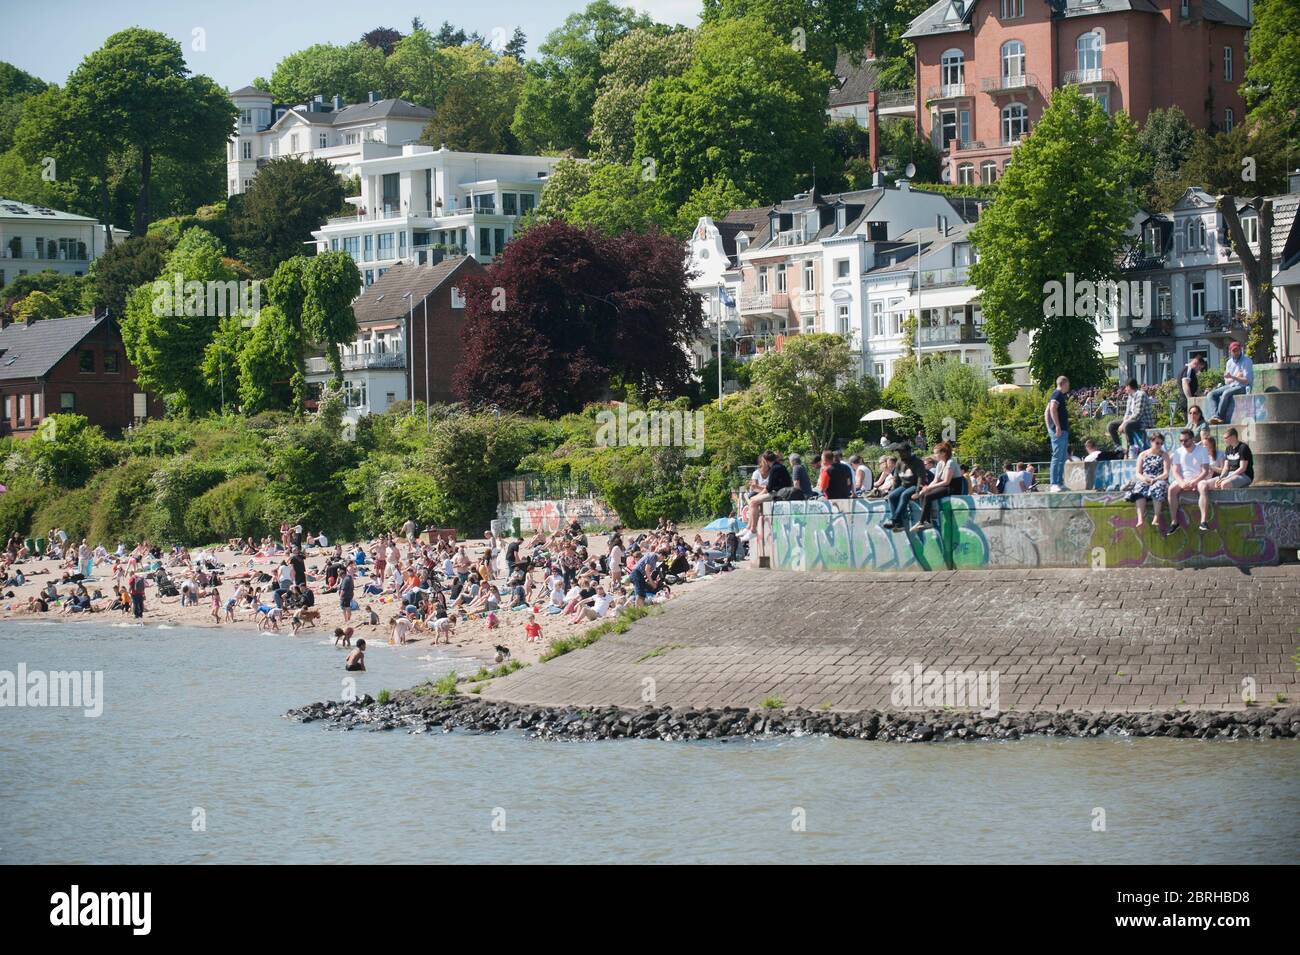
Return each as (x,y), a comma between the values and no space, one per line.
(73,365)
(985,69)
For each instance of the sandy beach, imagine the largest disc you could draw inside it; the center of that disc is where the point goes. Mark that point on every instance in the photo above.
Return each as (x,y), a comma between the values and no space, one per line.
(471,639)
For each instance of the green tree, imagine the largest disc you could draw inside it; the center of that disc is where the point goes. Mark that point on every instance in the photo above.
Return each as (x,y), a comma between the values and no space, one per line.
(748,109)
(1063,208)
(555,106)
(805,382)
(36,306)
(69,450)
(330,283)
(351,70)
(288,200)
(138,96)
(619,198)
(16,87)
(714,198)
(166,337)
(123,268)
(1272,88)
(569,181)
(818,29)
(474,112)
(66,293)
(222,366)
(630,66)
(1165,141)
(270,363)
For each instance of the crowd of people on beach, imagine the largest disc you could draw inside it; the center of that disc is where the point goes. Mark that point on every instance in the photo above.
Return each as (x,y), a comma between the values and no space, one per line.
(405,584)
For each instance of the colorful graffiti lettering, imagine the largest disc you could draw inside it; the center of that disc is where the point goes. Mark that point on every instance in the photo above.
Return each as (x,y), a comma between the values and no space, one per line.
(1246,528)
(1236,536)
(551,516)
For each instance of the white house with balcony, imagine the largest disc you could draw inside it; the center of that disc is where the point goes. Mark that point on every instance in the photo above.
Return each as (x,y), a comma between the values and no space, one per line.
(343,135)
(806,268)
(36,239)
(424,203)
(1199,294)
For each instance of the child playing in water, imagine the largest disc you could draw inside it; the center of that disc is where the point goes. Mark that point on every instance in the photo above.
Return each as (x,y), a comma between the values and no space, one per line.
(357,658)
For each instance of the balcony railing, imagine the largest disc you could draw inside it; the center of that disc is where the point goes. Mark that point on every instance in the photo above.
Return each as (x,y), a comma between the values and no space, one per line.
(965,145)
(1225,322)
(791,237)
(765,304)
(1140,326)
(1100,75)
(361,362)
(952,334)
(931,278)
(947,91)
(896,99)
(1015,81)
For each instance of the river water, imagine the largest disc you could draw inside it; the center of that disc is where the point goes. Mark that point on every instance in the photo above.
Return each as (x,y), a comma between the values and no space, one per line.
(192,761)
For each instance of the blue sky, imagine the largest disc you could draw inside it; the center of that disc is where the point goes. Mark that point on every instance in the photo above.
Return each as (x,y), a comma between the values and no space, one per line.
(246,38)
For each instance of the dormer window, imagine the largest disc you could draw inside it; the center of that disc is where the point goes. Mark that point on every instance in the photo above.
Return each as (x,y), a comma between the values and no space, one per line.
(1250,226)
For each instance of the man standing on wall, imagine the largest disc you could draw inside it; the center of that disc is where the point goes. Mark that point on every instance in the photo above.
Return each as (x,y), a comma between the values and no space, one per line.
(1057,417)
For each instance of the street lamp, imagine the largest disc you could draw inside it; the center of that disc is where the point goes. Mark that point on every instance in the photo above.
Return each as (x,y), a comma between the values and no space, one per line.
(410,335)
(425,309)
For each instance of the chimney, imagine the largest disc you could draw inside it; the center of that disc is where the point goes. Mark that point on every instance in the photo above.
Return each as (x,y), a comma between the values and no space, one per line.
(941,224)
(877,180)
(374,96)
(873,128)
(338,102)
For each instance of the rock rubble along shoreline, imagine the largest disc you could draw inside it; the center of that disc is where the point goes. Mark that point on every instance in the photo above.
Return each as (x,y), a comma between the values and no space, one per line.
(419,712)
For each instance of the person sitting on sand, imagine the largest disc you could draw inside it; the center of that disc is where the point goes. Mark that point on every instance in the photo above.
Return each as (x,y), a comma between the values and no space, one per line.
(532,630)
(357,658)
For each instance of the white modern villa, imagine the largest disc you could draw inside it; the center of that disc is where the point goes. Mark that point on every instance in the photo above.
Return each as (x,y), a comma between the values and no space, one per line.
(344,135)
(36,239)
(423,203)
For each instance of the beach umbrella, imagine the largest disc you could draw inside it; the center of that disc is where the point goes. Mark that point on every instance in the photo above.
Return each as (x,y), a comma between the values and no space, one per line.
(1005,388)
(723,524)
(882,415)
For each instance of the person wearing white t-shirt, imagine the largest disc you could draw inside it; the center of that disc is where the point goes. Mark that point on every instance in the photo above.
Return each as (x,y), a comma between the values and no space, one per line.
(1190,466)
(863,479)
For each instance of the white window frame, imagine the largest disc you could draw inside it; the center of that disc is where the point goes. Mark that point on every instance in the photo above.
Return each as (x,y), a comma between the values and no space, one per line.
(1013,59)
(952,72)
(1021,114)
(1227,64)
(809,276)
(1196,298)
(1088,55)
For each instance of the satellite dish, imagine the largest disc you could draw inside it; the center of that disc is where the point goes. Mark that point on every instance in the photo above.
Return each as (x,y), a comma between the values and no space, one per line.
(911,170)
(947,174)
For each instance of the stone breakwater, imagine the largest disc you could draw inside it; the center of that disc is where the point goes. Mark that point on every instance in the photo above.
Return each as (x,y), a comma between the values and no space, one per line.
(421,712)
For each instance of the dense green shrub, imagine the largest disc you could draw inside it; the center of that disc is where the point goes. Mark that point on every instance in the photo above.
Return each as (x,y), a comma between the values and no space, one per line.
(1006,428)
(72,510)
(19,503)
(124,503)
(234,508)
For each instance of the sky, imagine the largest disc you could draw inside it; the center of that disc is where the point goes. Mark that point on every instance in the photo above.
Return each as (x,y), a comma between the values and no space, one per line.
(246,38)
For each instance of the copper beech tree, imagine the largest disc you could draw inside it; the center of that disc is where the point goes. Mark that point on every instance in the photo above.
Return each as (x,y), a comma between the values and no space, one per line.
(568,316)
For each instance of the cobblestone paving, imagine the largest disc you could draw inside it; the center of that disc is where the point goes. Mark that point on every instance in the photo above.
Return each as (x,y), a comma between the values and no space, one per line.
(1123,640)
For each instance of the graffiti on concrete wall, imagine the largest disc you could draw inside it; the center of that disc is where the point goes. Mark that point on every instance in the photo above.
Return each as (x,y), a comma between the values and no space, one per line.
(551,516)
(1246,528)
